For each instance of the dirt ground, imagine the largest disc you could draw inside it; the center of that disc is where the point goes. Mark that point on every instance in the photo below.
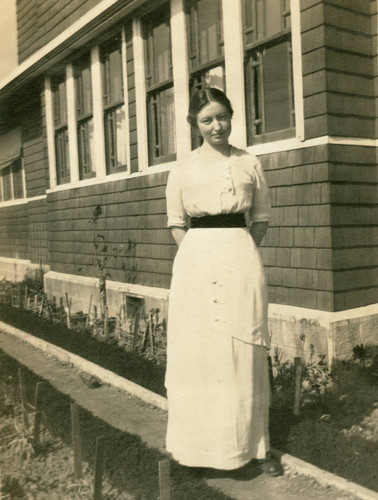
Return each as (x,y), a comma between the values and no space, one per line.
(135,435)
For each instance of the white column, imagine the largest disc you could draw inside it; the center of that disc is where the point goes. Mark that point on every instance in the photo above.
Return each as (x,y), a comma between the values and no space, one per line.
(50,132)
(297,68)
(126,98)
(234,62)
(71,123)
(140,94)
(99,160)
(180,77)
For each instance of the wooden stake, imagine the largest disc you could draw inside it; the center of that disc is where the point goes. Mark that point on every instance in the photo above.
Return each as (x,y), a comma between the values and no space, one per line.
(35,306)
(21,382)
(41,306)
(38,413)
(28,304)
(26,297)
(89,313)
(99,468)
(106,332)
(164,480)
(76,440)
(136,328)
(298,385)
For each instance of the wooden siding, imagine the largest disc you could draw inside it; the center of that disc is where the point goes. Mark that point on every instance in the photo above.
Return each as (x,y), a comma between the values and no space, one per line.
(319,248)
(14,231)
(35,149)
(40,21)
(338,69)
(133,209)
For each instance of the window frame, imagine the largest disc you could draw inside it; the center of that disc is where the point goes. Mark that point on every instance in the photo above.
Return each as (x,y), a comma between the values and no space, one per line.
(155,88)
(110,108)
(197,68)
(11,166)
(83,117)
(61,136)
(253,54)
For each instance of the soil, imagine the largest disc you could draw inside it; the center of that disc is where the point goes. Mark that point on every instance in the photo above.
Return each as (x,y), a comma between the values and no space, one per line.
(337,432)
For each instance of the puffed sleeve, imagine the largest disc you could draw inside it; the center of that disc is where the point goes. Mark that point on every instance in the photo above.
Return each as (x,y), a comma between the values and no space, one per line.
(260,210)
(177,217)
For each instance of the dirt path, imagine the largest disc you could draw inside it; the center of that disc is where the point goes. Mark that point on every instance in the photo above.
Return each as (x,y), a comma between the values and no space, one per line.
(129,414)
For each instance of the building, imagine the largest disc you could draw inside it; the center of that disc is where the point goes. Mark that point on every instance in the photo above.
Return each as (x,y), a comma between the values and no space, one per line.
(96,115)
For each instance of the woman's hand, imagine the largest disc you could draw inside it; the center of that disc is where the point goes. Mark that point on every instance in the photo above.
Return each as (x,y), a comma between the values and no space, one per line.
(178,234)
(258,230)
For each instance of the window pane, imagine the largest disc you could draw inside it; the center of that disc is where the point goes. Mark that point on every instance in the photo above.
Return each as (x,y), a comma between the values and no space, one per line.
(86,145)
(62,156)
(115,139)
(208,19)
(161,126)
(273,17)
(7,183)
(162,56)
(60,102)
(83,87)
(276,81)
(112,72)
(18,183)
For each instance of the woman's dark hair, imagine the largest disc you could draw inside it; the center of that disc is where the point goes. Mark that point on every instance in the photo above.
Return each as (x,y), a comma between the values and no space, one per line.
(203,97)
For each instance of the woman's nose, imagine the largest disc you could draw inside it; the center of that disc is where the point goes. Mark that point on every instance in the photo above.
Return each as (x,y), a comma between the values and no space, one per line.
(217,125)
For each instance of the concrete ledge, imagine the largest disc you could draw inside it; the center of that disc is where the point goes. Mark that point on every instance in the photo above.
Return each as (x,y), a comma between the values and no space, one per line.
(295,464)
(15,269)
(88,367)
(323,477)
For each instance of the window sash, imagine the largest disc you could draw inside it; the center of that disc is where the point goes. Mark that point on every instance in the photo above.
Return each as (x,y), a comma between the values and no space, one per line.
(86,148)
(83,86)
(265,19)
(158,52)
(62,157)
(115,139)
(265,100)
(60,102)
(112,72)
(18,181)
(205,38)
(6,174)
(161,126)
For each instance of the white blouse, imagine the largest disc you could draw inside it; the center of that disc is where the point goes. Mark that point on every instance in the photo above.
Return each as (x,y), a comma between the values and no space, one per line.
(238,184)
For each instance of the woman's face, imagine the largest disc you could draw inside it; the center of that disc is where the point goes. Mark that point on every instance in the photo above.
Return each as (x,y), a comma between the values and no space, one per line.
(214,123)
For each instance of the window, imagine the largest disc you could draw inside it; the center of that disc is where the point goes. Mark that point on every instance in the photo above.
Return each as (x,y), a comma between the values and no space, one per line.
(114,106)
(12,182)
(62,157)
(206,55)
(268,71)
(159,85)
(84,116)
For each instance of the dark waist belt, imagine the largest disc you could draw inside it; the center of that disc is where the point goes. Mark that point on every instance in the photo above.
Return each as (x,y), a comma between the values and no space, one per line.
(221,220)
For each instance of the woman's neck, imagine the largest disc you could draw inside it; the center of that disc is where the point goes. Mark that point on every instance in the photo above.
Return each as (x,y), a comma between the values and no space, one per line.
(209,153)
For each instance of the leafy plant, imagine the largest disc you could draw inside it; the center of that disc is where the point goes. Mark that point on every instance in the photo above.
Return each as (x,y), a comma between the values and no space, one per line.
(21,444)
(361,353)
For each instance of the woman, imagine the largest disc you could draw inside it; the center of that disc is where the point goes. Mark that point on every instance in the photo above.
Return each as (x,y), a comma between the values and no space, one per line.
(217,373)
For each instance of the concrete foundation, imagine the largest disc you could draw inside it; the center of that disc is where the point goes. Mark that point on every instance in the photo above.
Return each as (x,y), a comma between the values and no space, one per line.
(295,330)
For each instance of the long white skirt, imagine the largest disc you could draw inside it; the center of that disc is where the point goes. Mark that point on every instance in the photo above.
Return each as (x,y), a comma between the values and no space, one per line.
(217,385)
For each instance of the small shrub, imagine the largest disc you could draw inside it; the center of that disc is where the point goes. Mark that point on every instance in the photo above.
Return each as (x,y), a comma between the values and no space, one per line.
(361,353)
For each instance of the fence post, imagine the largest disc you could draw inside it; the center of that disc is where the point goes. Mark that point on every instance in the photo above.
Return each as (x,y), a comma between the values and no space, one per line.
(21,382)
(164,480)
(38,413)
(298,384)
(99,468)
(76,440)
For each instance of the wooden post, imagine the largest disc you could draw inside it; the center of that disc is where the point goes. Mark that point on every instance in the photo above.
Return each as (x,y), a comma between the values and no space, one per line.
(99,468)
(89,313)
(106,332)
(38,413)
(164,480)
(76,441)
(41,306)
(21,383)
(26,297)
(136,328)
(35,305)
(298,384)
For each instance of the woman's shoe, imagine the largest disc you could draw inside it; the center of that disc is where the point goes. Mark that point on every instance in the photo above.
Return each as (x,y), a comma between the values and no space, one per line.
(270,466)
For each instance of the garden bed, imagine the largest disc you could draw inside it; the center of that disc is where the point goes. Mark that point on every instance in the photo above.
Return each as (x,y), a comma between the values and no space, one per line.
(337,428)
